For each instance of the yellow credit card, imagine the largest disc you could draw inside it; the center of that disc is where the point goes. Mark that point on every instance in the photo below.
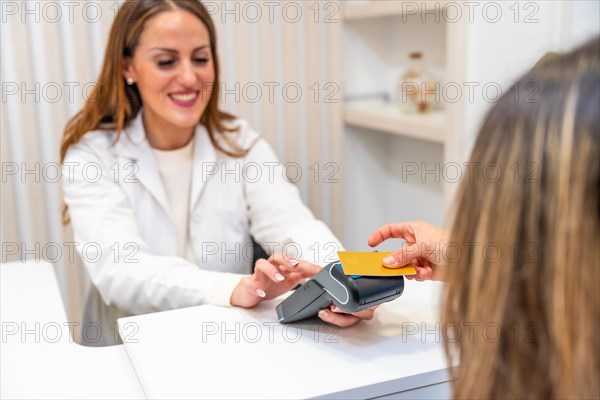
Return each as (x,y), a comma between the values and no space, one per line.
(370,264)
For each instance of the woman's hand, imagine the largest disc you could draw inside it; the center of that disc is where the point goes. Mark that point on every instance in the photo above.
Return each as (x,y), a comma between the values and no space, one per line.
(336,316)
(424,248)
(271,278)
(278,275)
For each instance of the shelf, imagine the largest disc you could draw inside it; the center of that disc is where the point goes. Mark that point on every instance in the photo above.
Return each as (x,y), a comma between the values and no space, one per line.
(387,117)
(363,9)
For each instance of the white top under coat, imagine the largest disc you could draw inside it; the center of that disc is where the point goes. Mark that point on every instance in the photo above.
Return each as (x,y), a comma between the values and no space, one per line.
(175,168)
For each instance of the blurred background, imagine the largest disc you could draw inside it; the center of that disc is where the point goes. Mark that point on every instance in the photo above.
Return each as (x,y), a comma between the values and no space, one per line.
(375,102)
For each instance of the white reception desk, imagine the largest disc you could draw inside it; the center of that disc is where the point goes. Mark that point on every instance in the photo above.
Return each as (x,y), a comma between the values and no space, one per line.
(214,352)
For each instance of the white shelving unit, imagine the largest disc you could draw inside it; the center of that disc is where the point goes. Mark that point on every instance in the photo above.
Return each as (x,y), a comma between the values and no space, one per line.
(379,35)
(383,143)
(367,9)
(387,117)
(394,162)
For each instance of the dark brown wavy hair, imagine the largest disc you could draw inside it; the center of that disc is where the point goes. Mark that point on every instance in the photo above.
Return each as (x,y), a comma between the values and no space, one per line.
(538,290)
(113,104)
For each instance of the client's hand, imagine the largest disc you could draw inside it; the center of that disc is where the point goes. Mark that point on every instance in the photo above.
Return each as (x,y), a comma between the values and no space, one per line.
(424,248)
(271,278)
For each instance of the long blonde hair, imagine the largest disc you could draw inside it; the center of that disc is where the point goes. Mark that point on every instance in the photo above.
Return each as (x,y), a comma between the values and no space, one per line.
(113,104)
(531,285)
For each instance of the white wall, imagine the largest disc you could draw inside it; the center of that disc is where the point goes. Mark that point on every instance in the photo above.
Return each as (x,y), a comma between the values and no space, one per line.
(501,52)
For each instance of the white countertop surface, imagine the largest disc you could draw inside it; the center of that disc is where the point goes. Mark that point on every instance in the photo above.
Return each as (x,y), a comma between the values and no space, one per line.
(213,352)
(219,352)
(39,360)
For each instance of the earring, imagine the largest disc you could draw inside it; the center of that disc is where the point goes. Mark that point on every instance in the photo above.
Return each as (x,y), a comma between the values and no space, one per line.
(129,81)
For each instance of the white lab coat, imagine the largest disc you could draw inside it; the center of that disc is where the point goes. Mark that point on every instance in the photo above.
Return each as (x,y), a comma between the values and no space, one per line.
(124,233)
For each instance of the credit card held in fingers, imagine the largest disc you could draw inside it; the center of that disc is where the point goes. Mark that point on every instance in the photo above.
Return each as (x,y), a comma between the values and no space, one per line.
(367,263)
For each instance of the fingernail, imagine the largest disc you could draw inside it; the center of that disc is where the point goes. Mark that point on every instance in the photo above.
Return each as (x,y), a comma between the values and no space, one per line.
(279,277)
(260,293)
(294,262)
(323,314)
(389,260)
(336,309)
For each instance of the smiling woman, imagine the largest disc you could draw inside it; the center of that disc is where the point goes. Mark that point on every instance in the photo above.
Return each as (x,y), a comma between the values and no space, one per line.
(174,72)
(169,215)
(142,43)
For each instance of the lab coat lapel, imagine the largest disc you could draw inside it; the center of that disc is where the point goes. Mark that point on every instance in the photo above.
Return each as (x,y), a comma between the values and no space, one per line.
(133,146)
(205,157)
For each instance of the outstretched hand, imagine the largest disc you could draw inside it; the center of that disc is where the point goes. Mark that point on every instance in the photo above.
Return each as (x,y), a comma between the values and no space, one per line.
(424,248)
